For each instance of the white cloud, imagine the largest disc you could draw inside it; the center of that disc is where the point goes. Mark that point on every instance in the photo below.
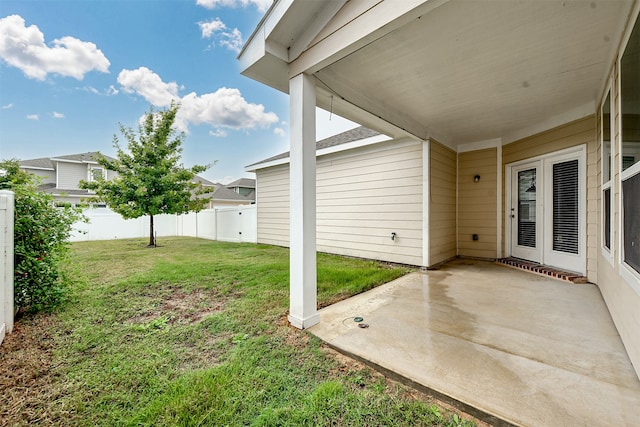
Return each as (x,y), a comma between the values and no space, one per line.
(33,117)
(111,90)
(218,133)
(209,28)
(57,115)
(224,108)
(261,5)
(6,107)
(217,30)
(149,85)
(280,132)
(24,48)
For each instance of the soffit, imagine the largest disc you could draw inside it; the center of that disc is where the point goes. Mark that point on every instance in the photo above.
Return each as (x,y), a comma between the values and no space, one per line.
(477,70)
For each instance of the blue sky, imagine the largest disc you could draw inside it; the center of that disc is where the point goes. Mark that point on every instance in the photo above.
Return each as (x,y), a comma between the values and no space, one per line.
(71,71)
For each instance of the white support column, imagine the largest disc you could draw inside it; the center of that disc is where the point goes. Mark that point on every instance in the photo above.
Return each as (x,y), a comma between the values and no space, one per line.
(426,196)
(6,262)
(303,311)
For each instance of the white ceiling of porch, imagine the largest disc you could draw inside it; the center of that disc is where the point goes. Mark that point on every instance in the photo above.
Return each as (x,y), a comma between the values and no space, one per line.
(470,71)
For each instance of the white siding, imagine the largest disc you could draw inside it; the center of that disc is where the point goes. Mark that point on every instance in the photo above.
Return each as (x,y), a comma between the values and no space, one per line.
(70,174)
(363,195)
(48,177)
(272,199)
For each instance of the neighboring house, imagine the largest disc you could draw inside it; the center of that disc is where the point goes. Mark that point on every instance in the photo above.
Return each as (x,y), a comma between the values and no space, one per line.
(61,175)
(519,122)
(239,192)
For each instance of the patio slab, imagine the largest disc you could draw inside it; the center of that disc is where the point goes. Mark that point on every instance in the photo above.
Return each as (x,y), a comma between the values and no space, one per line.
(517,347)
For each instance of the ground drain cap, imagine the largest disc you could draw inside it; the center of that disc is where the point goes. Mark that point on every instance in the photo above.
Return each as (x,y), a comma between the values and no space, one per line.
(363,325)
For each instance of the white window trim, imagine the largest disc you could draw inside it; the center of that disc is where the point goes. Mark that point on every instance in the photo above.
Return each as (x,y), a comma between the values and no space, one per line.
(607,253)
(93,168)
(626,272)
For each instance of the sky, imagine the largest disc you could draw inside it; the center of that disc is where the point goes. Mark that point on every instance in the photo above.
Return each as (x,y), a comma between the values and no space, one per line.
(72,71)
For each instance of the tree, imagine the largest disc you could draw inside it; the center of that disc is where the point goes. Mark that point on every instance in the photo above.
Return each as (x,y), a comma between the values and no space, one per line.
(41,231)
(150,179)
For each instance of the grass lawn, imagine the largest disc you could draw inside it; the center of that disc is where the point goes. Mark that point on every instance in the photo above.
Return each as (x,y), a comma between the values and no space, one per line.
(194,333)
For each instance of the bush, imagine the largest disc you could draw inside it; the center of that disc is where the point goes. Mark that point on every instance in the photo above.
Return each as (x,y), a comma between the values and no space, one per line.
(41,231)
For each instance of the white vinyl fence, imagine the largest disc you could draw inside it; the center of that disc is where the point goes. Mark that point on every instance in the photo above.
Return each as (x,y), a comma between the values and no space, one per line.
(6,263)
(229,224)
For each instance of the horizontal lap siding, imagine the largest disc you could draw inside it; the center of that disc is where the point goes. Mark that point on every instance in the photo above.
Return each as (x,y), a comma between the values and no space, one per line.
(70,174)
(363,195)
(442,206)
(477,203)
(366,194)
(272,201)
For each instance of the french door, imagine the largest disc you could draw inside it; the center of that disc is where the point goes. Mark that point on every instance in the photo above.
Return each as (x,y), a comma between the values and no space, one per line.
(547,211)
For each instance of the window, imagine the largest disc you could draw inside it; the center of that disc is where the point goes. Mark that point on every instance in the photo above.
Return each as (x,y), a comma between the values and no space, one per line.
(630,158)
(605,117)
(96,174)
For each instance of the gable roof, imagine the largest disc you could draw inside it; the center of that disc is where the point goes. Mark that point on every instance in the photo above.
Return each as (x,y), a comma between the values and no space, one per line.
(243,182)
(352,135)
(41,163)
(48,162)
(205,182)
(224,193)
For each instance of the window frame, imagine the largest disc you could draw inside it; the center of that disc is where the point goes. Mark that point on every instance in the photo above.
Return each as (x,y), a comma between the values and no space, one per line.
(628,273)
(606,184)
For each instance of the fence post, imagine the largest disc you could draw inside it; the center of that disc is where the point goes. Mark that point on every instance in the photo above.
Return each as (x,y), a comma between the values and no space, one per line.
(6,262)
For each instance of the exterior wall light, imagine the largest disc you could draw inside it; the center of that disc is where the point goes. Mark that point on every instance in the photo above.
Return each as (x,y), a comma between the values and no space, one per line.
(476,178)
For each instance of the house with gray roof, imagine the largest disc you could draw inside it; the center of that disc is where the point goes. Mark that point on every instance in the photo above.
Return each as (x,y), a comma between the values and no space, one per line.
(239,192)
(61,175)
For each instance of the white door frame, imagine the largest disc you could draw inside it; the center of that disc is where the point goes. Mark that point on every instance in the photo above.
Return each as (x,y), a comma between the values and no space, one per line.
(524,252)
(570,262)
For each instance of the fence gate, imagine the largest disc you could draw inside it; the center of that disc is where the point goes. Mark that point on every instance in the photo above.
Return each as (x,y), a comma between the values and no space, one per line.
(6,263)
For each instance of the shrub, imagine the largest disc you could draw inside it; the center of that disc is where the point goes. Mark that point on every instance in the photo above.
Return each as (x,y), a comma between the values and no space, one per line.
(41,231)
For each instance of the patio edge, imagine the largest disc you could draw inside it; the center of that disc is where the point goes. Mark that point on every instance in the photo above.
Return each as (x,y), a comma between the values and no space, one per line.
(459,405)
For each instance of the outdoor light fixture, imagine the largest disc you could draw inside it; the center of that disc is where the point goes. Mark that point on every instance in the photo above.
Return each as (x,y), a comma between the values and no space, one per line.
(476,178)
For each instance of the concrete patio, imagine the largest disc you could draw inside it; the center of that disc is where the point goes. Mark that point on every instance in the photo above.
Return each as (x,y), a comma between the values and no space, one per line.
(509,346)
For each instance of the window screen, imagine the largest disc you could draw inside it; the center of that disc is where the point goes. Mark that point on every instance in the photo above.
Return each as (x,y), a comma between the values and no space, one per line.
(631,221)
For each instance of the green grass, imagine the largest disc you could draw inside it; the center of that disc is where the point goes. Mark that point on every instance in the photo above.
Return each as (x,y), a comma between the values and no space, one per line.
(194,333)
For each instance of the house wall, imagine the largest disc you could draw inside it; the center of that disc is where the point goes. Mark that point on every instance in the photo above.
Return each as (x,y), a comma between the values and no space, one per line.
(70,174)
(48,177)
(272,199)
(621,293)
(442,203)
(579,132)
(477,203)
(363,195)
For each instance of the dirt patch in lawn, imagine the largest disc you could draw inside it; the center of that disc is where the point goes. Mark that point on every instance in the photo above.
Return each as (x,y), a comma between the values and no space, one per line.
(27,373)
(183,307)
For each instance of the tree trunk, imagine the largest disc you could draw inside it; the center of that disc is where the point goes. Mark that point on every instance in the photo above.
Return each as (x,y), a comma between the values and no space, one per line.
(152,241)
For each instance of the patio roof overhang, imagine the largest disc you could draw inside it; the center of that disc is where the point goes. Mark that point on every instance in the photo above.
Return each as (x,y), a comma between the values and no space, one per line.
(459,71)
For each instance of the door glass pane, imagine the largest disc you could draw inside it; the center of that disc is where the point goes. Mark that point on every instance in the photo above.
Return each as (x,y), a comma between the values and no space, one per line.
(527,208)
(565,207)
